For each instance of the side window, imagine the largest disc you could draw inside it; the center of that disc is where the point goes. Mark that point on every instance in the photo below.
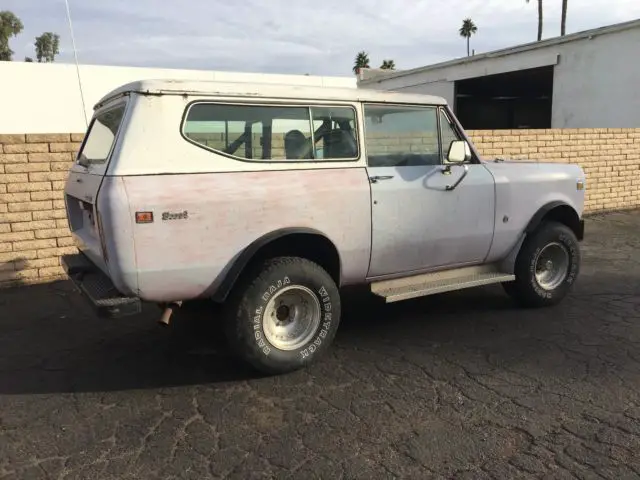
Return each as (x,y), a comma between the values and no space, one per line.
(249,132)
(101,137)
(273,132)
(334,133)
(398,136)
(449,134)
(290,136)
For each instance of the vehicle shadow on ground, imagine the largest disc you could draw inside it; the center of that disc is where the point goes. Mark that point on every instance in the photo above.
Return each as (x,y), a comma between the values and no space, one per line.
(51,342)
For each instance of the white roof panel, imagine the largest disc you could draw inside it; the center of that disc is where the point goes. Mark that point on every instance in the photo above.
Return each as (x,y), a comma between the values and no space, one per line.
(268,90)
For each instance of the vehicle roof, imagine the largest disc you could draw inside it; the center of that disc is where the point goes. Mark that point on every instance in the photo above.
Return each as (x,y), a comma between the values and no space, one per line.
(268,90)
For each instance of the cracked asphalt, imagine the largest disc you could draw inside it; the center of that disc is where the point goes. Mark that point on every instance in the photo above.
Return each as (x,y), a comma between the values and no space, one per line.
(461,385)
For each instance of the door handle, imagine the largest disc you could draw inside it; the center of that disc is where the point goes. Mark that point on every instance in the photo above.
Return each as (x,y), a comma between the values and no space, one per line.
(377,178)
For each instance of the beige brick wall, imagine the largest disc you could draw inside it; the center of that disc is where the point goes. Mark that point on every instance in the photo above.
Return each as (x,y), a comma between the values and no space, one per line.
(378,143)
(610,158)
(33,168)
(33,226)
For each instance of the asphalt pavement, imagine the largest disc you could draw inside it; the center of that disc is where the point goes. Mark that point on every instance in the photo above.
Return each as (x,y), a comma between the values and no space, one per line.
(459,385)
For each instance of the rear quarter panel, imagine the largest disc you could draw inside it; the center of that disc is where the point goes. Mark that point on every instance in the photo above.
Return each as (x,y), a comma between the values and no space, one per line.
(115,218)
(187,258)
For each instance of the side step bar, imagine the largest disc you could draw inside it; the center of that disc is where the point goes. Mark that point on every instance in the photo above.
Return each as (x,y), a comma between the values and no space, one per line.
(439,282)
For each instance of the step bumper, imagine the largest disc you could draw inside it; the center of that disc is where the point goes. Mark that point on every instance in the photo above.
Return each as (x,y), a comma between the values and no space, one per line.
(98,289)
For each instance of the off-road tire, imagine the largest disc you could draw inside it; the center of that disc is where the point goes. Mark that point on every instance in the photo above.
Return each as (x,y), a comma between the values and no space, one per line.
(249,299)
(526,290)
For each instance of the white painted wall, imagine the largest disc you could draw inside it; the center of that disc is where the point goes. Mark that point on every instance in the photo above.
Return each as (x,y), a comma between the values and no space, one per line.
(596,81)
(45,98)
(440,80)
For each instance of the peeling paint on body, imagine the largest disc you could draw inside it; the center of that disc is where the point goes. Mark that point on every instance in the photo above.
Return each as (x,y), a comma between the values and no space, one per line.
(184,258)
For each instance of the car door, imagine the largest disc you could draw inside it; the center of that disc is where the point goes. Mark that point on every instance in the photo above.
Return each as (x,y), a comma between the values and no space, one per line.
(418,223)
(86,176)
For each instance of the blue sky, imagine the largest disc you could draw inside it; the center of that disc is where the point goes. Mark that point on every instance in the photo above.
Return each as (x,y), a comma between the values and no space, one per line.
(287,36)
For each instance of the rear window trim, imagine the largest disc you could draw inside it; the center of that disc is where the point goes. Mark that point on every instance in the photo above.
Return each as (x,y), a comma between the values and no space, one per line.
(267,103)
(118,102)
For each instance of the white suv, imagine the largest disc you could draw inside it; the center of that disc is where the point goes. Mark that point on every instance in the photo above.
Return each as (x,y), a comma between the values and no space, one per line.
(268,199)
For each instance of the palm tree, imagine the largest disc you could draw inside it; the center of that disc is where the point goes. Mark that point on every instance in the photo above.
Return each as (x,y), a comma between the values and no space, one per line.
(362,61)
(388,65)
(563,23)
(467,29)
(540,17)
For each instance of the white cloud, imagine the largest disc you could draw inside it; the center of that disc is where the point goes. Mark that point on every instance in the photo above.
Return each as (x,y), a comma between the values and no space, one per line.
(295,37)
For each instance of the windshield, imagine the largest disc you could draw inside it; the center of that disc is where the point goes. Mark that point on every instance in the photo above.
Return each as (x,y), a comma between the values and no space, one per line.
(101,137)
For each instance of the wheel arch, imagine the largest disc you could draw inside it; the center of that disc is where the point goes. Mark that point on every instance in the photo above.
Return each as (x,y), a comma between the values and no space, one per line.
(558,211)
(292,241)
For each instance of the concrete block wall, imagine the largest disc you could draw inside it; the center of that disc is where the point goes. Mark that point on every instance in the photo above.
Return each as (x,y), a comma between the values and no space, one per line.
(33,168)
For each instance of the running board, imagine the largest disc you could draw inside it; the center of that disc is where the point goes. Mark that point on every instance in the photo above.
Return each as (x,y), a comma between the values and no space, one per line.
(438,282)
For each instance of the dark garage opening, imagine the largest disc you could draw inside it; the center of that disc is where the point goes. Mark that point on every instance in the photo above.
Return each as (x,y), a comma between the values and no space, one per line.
(520,99)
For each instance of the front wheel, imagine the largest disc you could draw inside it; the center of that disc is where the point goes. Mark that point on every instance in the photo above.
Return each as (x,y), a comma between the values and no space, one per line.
(283,315)
(546,267)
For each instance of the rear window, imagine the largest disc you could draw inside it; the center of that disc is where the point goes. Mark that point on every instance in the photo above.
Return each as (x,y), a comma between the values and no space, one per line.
(101,137)
(276,133)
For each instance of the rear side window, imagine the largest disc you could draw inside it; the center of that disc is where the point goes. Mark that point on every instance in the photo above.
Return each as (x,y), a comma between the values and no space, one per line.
(101,137)
(274,133)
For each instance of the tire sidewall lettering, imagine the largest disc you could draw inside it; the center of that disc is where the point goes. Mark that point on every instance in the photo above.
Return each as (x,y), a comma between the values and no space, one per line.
(258,333)
(573,255)
(326,309)
(274,288)
(325,323)
(262,343)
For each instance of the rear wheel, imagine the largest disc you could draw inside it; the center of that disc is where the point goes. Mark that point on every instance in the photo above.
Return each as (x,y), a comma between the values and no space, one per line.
(546,267)
(283,314)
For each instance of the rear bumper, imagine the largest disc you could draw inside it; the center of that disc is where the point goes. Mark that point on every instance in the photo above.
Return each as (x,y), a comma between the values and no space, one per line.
(98,289)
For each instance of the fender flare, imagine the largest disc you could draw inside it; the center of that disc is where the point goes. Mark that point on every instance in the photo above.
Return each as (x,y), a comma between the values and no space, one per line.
(508,263)
(534,222)
(245,256)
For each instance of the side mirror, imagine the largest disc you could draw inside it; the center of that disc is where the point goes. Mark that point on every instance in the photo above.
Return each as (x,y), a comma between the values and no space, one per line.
(459,152)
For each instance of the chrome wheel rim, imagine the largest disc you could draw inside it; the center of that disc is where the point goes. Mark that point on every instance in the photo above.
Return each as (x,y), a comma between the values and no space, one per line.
(291,318)
(552,266)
